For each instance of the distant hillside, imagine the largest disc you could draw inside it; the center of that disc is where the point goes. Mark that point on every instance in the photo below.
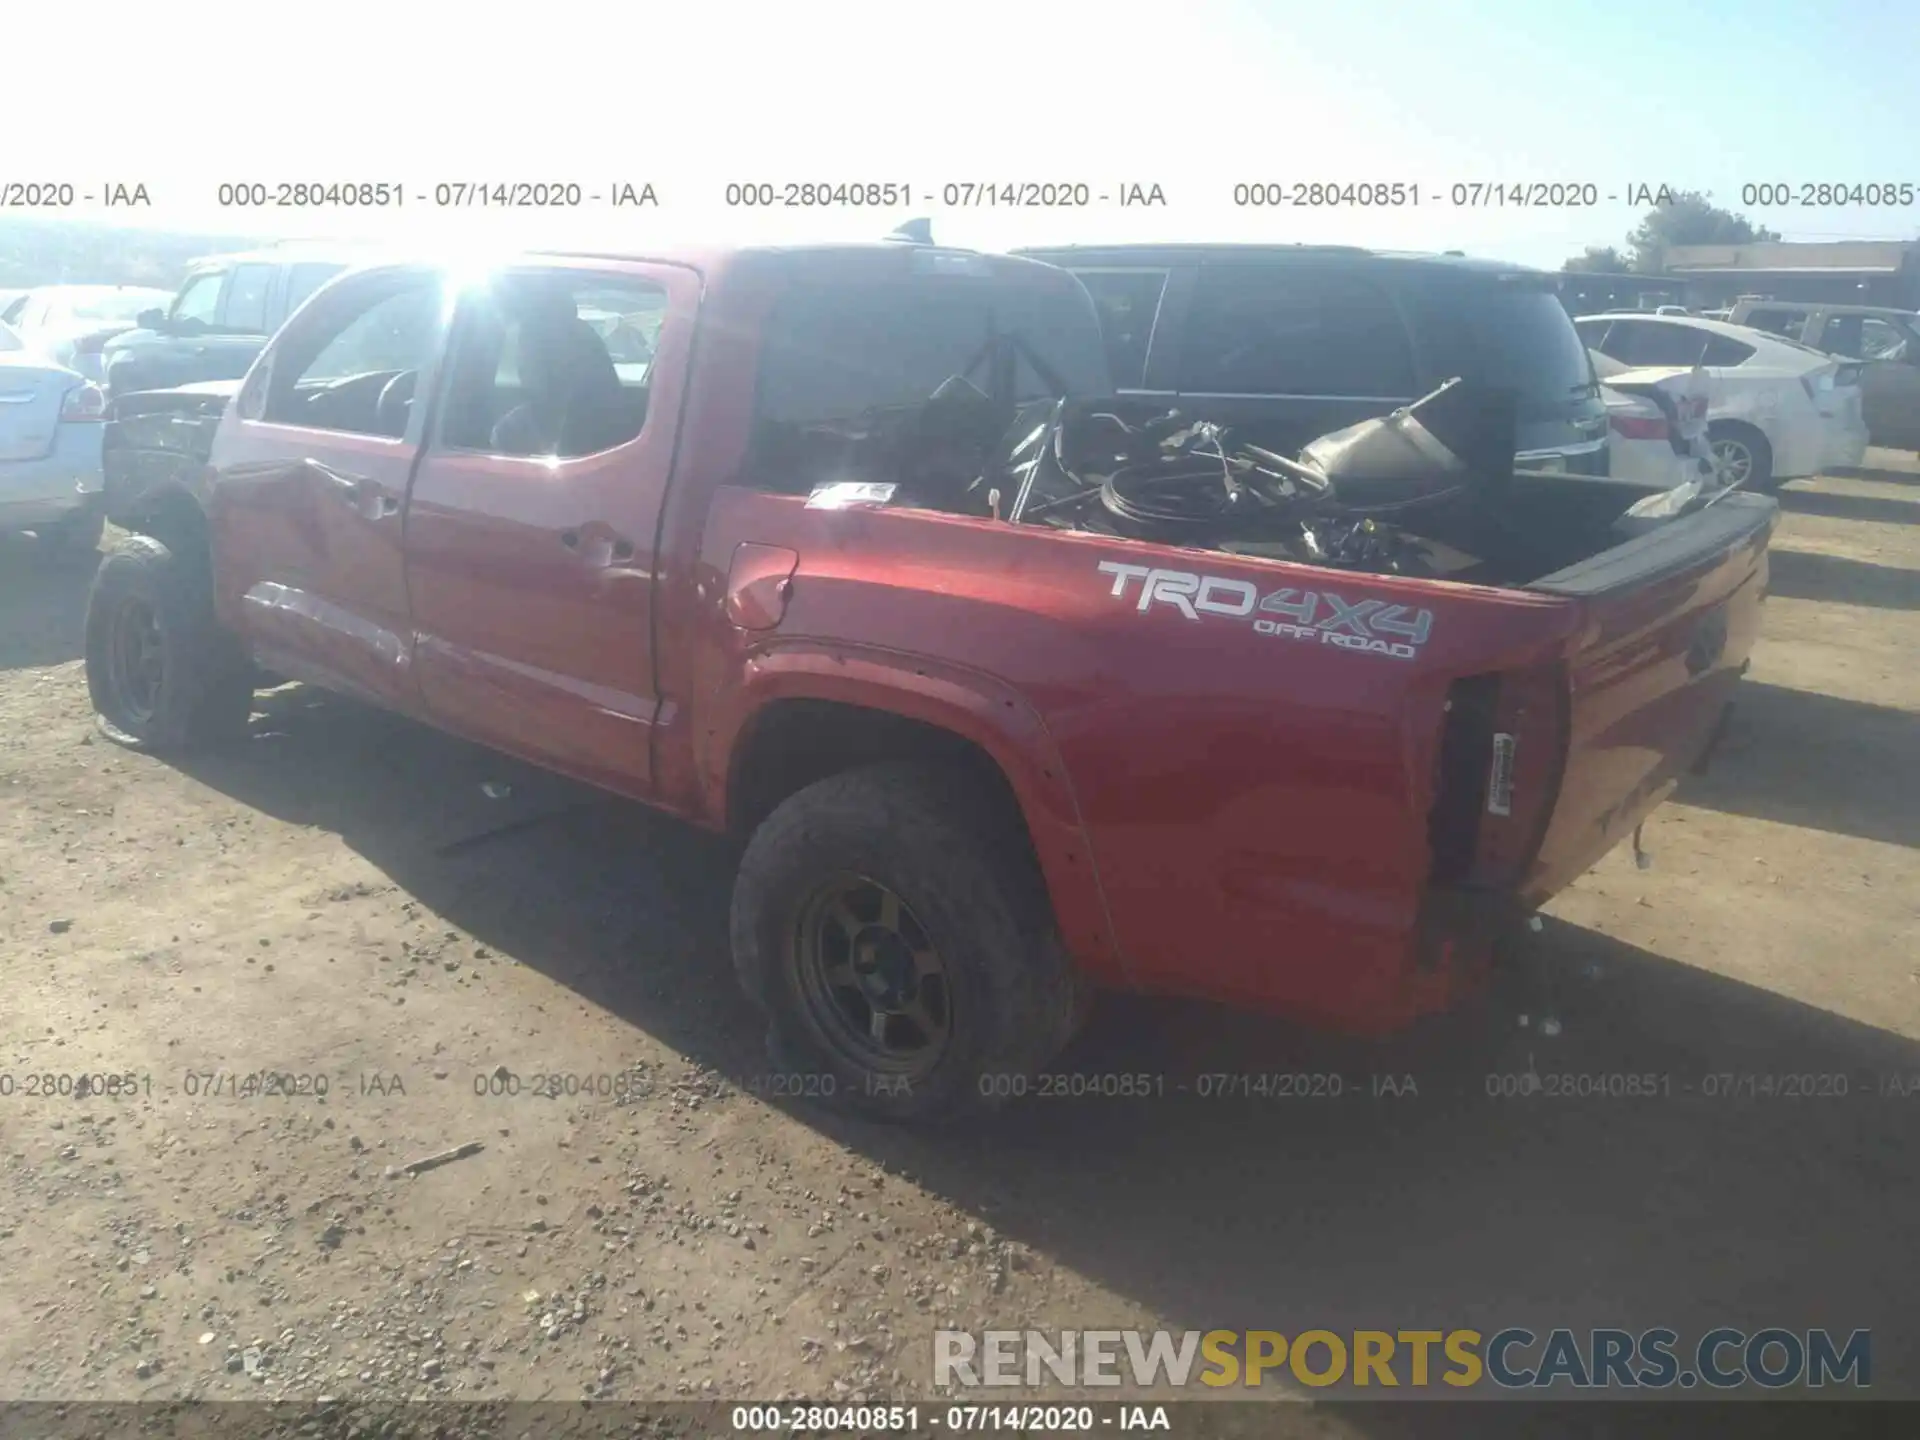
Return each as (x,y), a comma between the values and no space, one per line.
(76,252)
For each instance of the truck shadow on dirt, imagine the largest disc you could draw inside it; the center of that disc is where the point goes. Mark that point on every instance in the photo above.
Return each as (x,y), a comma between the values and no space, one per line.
(1836,506)
(1868,787)
(43,603)
(1841,580)
(1639,1168)
(1876,472)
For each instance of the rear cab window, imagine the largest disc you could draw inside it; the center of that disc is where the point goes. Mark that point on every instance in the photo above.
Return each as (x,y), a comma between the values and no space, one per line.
(842,352)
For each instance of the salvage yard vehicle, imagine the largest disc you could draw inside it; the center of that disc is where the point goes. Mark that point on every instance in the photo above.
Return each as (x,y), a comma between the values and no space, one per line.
(224,311)
(1286,342)
(1886,342)
(50,469)
(1007,696)
(1781,411)
(70,324)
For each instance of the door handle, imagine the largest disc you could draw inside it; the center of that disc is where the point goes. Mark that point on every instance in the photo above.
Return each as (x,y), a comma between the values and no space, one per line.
(356,490)
(605,550)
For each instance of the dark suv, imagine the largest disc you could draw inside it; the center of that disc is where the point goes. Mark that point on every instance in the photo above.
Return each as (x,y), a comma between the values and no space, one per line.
(219,319)
(1288,342)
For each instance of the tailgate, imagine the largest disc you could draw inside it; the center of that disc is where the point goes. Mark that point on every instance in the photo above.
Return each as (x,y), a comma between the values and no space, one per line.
(1669,621)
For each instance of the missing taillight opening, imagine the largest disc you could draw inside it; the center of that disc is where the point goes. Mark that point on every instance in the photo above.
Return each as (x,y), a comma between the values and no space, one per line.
(84,403)
(1639,427)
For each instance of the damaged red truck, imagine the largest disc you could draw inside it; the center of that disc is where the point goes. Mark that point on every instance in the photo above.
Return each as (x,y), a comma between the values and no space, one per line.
(1008,693)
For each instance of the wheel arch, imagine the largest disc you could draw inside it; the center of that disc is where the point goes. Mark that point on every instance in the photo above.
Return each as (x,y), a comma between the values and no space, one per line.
(801,713)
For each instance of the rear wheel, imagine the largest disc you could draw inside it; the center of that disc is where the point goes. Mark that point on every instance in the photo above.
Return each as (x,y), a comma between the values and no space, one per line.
(896,934)
(1741,456)
(162,674)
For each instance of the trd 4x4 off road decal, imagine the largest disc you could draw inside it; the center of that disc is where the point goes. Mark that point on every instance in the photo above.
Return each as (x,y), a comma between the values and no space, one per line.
(1319,616)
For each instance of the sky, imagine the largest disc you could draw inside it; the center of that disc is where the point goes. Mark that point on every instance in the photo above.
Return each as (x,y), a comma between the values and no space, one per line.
(1193,96)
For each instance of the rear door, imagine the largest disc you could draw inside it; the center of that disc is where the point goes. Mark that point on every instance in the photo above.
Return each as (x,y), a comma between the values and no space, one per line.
(531,529)
(311,466)
(1286,352)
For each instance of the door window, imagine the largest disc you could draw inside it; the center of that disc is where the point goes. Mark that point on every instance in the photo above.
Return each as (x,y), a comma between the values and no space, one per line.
(1778,322)
(1129,303)
(552,364)
(352,366)
(1655,342)
(1863,337)
(198,303)
(1277,330)
(303,280)
(246,312)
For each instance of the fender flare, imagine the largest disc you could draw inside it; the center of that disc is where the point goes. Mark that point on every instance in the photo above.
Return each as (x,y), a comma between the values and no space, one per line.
(971,704)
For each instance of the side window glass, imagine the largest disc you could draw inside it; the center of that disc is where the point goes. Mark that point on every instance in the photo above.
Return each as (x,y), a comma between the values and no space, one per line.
(246,312)
(1128,302)
(1281,331)
(1651,342)
(1789,323)
(303,280)
(1878,340)
(1724,350)
(198,303)
(552,364)
(353,367)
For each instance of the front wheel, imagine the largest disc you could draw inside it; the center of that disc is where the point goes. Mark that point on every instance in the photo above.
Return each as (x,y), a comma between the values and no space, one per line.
(895,932)
(162,674)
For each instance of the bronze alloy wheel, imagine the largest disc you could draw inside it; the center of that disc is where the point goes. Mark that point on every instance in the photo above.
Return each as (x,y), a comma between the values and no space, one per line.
(874,986)
(136,660)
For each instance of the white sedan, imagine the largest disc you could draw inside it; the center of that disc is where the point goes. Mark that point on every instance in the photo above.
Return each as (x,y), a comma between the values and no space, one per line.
(69,324)
(1778,410)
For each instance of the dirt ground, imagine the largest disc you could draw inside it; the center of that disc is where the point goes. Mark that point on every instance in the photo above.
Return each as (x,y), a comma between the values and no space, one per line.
(354,898)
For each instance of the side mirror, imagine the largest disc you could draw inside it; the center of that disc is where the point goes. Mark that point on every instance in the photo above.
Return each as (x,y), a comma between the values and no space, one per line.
(155,319)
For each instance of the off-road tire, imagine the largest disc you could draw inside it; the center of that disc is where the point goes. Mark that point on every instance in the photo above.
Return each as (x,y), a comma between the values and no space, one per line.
(205,694)
(964,869)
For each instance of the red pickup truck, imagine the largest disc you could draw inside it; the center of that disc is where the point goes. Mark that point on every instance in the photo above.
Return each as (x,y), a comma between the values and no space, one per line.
(848,550)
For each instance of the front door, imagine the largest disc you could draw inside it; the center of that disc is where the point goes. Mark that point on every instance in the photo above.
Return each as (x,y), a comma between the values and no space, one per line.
(531,528)
(310,481)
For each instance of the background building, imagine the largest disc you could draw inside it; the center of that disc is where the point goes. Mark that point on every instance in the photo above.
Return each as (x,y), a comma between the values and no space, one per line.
(1848,272)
